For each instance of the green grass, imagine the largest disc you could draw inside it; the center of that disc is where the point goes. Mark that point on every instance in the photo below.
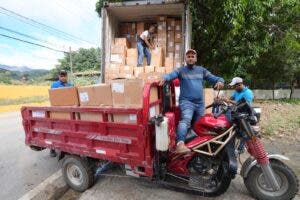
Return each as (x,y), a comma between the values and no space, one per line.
(34,99)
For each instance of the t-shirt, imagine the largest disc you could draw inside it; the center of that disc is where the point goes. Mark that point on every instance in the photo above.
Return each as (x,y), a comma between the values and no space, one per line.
(58,84)
(246,93)
(145,35)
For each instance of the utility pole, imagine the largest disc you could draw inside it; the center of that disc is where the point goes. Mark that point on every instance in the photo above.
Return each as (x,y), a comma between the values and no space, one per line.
(71,64)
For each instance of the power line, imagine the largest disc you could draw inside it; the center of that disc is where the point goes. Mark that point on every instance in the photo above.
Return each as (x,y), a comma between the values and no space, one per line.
(44,25)
(32,43)
(28,36)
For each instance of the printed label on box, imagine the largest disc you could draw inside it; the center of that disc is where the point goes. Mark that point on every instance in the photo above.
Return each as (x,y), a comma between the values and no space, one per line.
(177,55)
(152,111)
(84,96)
(132,117)
(115,58)
(178,35)
(177,64)
(177,28)
(177,47)
(171,44)
(38,113)
(117,87)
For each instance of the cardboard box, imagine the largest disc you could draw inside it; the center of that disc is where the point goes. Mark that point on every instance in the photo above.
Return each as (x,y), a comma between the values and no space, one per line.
(171,47)
(161,18)
(132,52)
(127,69)
(127,76)
(125,118)
(65,96)
(177,63)
(178,56)
(169,69)
(127,93)
(171,24)
(178,48)
(113,65)
(171,36)
(123,28)
(161,27)
(118,49)
(178,36)
(131,61)
(122,42)
(169,62)
(138,70)
(150,77)
(208,98)
(140,27)
(170,54)
(112,72)
(93,116)
(160,70)
(149,68)
(118,59)
(59,115)
(178,25)
(95,95)
(157,57)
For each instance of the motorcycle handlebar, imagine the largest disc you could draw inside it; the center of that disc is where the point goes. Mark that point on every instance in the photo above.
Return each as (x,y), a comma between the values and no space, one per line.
(219,114)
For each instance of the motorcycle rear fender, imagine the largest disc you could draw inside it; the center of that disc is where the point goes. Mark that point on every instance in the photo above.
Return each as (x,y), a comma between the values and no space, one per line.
(248,166)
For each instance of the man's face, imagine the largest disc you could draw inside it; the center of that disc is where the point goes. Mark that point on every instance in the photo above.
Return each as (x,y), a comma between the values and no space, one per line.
(238,87)
(191,58)
(63,78)
(151,29)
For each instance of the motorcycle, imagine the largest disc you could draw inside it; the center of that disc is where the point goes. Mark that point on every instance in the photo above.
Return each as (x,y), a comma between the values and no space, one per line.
(212,163)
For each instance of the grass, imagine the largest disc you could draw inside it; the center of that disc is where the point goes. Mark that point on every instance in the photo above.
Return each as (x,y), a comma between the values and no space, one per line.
(23,100)
(22,91)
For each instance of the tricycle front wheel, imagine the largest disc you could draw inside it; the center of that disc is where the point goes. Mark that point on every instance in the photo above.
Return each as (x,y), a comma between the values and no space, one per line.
(258,187)
(78,173)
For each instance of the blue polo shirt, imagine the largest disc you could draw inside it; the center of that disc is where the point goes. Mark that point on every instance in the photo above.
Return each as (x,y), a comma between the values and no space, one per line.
(58,84)
(246,93)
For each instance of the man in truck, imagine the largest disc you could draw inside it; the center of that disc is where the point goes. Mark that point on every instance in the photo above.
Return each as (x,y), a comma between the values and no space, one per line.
(191,101)
(61,82)
(144,44)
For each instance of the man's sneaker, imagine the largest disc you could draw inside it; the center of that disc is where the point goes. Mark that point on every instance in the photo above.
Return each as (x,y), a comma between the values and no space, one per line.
(53,153)
(181,148)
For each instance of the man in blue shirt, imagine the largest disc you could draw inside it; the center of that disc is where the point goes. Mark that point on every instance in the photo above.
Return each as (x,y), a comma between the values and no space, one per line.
(241,91)
(62,82)
(191,101)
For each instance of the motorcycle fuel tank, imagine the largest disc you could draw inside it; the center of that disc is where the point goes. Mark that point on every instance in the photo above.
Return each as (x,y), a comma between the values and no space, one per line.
(210,125)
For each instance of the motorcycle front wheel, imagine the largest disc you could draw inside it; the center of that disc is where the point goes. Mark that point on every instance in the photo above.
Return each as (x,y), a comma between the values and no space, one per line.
(257,186)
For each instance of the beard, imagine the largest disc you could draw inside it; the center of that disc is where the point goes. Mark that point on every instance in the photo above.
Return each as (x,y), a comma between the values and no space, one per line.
(190,66)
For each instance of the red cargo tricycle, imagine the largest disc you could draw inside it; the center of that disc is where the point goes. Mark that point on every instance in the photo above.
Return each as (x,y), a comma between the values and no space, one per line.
(146,148)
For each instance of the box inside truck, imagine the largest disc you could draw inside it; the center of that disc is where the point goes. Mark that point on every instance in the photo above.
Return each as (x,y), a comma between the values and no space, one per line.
(123,23)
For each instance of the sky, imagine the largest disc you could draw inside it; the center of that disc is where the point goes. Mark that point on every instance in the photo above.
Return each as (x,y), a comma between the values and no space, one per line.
(75,17)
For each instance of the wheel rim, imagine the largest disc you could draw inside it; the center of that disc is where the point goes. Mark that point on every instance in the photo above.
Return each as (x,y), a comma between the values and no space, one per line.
(74,174)
(267,190)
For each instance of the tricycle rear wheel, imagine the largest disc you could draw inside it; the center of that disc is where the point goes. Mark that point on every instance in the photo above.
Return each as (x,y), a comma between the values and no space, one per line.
(78,172)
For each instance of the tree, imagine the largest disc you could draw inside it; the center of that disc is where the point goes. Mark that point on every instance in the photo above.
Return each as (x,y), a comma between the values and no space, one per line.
(82,60)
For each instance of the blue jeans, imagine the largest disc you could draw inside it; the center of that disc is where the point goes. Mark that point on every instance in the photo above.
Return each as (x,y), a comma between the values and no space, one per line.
(190,112)
(143,51)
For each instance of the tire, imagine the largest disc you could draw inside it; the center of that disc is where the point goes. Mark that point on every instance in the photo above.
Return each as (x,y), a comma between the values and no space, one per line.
(78,173)
(288,182)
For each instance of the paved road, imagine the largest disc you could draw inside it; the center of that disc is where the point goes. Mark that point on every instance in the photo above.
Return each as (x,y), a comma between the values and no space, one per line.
(115,188)
(21,169)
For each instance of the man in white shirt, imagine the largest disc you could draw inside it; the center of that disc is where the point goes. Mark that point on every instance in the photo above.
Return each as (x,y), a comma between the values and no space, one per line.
(145,41)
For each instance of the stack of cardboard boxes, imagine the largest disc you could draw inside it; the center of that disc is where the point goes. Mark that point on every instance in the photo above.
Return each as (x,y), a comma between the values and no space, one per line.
(164,58)
(119,93)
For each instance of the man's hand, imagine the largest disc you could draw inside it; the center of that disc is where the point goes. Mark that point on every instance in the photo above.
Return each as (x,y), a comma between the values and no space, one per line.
(219,86)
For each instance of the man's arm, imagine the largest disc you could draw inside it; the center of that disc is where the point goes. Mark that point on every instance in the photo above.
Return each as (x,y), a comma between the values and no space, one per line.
(211,78)
(169,77)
